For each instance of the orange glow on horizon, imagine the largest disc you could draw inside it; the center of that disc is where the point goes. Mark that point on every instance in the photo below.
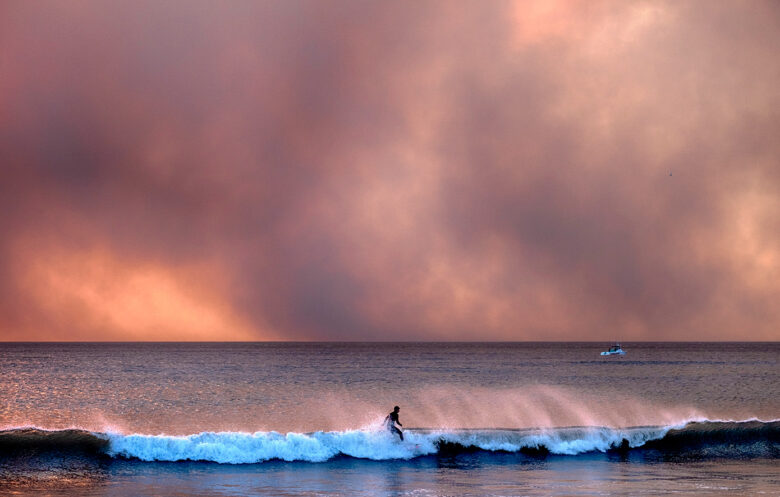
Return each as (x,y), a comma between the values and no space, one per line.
(97,296)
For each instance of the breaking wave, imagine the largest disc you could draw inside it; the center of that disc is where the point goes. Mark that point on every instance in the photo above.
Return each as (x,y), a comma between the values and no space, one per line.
(698,439)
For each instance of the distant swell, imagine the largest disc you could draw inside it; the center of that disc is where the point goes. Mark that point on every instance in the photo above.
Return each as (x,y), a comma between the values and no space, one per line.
(706,439)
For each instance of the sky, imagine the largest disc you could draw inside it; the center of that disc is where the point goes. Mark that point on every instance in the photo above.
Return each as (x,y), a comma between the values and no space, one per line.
(422,170)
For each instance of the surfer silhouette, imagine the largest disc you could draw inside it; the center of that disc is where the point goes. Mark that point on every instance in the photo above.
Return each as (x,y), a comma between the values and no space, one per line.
(391,420)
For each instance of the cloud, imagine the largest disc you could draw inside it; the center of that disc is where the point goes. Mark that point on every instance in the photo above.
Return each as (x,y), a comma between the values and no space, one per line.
(109,299)
(374,171)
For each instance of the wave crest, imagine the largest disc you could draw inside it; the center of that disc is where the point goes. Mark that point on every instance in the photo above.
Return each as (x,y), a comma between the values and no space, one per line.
(700,439)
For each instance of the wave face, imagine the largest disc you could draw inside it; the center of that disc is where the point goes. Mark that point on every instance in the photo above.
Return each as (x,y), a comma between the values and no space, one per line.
(30,441)
(705,439)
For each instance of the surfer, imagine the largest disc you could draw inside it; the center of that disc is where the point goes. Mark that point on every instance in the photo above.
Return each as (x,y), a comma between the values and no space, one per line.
(391,420)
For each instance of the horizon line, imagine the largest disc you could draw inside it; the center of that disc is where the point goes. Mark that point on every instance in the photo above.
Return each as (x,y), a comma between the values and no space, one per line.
(373,341)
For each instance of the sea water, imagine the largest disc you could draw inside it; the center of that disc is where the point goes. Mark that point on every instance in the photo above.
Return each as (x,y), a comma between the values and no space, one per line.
(307,419)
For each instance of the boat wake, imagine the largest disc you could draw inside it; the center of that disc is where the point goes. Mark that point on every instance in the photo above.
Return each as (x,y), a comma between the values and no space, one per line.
(698,439)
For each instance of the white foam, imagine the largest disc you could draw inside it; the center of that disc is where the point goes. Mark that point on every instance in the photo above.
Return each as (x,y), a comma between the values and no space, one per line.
(245,448)
(242,448)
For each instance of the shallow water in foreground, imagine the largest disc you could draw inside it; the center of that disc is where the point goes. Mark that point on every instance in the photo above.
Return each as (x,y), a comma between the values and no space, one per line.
(468,474)
(305,419)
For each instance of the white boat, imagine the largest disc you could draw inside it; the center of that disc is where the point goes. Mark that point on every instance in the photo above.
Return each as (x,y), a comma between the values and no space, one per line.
(614,350)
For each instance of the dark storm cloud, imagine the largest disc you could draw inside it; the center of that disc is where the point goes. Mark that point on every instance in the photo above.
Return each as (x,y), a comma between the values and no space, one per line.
(403,170)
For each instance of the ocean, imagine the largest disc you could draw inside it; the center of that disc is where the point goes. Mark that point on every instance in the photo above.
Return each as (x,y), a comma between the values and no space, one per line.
(305,419)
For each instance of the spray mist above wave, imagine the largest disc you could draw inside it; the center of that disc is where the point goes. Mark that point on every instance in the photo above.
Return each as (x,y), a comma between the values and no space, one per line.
(442,406)
(725,439)
(536,405)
